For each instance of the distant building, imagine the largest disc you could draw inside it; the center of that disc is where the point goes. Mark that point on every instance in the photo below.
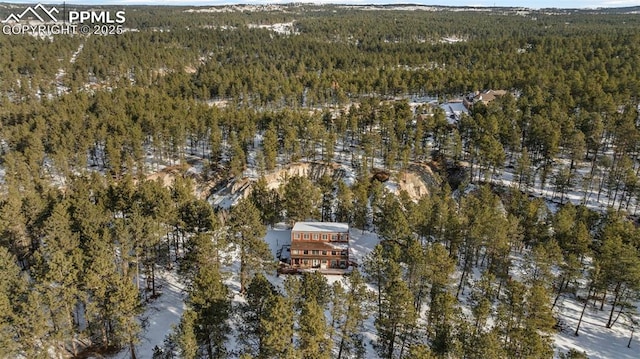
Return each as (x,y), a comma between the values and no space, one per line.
(454,111)
(320,245)
(484,97)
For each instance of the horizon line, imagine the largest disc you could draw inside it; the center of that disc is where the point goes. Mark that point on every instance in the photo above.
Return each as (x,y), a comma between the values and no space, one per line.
(357,3)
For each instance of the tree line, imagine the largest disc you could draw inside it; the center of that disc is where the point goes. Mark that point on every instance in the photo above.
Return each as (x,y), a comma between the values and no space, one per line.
(83,233)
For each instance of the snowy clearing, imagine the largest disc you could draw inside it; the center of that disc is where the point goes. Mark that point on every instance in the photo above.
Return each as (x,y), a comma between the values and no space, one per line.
(595,339)
(160,315)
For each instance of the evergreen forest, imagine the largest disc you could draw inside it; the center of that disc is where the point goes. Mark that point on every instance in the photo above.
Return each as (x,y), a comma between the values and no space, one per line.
(113,147)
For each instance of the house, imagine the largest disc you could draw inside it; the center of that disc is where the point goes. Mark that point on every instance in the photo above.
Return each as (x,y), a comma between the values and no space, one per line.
(320,245)
(484,97)
(454,111)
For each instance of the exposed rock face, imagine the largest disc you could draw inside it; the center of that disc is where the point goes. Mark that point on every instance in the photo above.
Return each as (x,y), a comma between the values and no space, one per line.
(312,170)
(413,184)
(416,181)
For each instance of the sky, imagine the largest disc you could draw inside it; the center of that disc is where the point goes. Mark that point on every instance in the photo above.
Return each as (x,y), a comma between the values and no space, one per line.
(534,4)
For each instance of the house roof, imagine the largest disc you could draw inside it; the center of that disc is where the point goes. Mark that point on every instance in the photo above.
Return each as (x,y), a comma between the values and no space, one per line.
(454,107)
(490,95)
(329,227)
(453,111)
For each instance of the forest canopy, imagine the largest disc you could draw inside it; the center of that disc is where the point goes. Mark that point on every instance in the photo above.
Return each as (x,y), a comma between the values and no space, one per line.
(546,173)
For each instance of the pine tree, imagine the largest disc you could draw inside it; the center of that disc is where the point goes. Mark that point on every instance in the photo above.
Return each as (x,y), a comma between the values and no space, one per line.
(247,232)
(270,147)
(485,345)
(376,268)
(215,142)
(301,199)
(482,296)
(357,307)
(539,317)
(237,156)
(153,213)
(12,287)
(361,205)
(397,317)
(325,183)
(30,319)
(573,354)
(392,222)
(267,201)
(525,321)
(209,298)
(126,307)
(337,307)
(441,322)
(620,270)
(420,351)
(197,216)
(524,175)
(99,281)
(314,287)
(278,328)
(115,301)
(185,335)
(329,142)
(57,270)
(345,203)
(510,316)
(563,182)
(259,295)
(314,335)
(13,226)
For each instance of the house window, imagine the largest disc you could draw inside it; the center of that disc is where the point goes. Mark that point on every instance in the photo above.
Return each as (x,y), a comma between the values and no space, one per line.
(315,253)
(324,237)
(344,253)
(334,253)
(296,236)
(324,261)
(306,251)
(315,236)
(305,236)
(334,264)
(324,253)
(334,237)
(305,261)
(343,264)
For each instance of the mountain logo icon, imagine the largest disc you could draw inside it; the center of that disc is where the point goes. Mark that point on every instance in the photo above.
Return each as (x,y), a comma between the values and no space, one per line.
(38,12)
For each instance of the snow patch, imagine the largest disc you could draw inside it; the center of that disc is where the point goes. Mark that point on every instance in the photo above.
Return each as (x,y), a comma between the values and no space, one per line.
(161,315)
(283,28)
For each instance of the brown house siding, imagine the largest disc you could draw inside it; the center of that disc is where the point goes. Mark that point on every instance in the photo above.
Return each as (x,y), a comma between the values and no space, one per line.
(328,249)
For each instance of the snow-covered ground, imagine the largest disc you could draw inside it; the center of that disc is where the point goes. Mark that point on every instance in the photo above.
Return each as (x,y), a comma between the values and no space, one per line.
(160,315)
(579,193)
(285,28)
(598,341)
(361,242)
(595,339)
(239,8)
(163,313)
(60,75)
